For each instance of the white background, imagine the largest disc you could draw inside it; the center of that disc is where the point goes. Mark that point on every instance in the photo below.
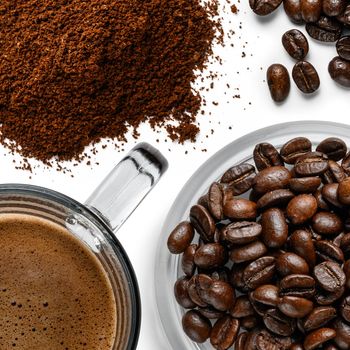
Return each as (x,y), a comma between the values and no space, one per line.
(141,233)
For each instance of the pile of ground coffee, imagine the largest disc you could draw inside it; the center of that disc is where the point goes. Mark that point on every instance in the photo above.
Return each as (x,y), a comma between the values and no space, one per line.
(73,72)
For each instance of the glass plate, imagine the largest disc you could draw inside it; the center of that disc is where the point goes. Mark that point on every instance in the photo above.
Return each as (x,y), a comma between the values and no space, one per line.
(168,267)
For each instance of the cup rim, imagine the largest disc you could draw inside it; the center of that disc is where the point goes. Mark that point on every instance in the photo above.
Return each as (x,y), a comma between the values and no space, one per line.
(60,198)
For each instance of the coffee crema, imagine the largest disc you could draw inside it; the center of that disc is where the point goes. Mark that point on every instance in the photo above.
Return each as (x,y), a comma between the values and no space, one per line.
(54,293)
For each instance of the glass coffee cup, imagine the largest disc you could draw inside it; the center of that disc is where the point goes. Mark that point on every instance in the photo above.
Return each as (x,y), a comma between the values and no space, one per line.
(95,223)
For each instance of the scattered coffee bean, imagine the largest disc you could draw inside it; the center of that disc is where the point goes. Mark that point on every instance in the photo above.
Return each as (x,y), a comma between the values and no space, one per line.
(278,81)
(259,272)
(326,250)
(215,201)
(306,77)
(339,70)
(295,43)
(333,7)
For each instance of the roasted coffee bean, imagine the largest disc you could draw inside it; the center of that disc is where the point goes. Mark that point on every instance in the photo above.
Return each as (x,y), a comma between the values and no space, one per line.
(203,201)
(339,70)
(240,343)
(328,298)
(264,7)
(265,155)
(274,228)
(239,178)
(187,261)
(240,209)
(295,43)
(342,338)
(333,8)
(326,250)
(337,240)
(248,252)
(311,164)
(224,333)
(346,163)
(346,269)
(311,10)
(215,201)
(335,173)
(343,48)
(249,322)
(344,191)
(345,244)
(276,198)
(295,148)
(242,308)
(272,178)
(333,147)
(242,232)
(221,274)
(197,288)
(180,238)
(345,16)
(290,264)
(266,295)
(219,295)
(330,276)
(301,208)
(326,223)
(259,272)
(345,309)
(304,184)
(264,340)
(318,337)
(278,323)
(306,77)
(319,317)
(293,10)
(210,256)
(278,81)
(301,243)
(298,286)
(330,194)
(321,203)
(181,293)
(295,307)
(196,326)
(236,277)
(210,313)
(326,29)
(203,222)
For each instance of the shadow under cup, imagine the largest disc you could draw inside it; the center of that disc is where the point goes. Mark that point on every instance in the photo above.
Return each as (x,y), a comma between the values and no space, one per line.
(97,236)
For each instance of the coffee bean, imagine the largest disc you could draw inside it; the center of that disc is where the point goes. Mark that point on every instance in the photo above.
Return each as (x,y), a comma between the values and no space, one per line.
(345,309)
(330,194)
(264,7)
(301,208)
(333,147)
(242,308)
(203,222)
(311,164)
(240,343)
(346,163)
(321,202)
(330,276)
(346,269)
(328,298)
(278,323)
(311,10)
(306,77)
(210,313)
(196,326)
(278,81)
(326,223)
(180,238)
(249,322)
(344,191)
(295,307)
(345,16)
(339,70)
(241,232)
(272,178)
(274,228)
(210,256)
(181,293)
(264,340)
(293,10)
(248,252)
(335,173)
(333,7)
(294,149)
(239,178)
(295,43)
(298,286)
(343,47)
(220,295)
(236,277)
(319,317)
(220,274)
(215,201)
(304,184)
(345,244)
(265,155)
(264,297)
(203,201)
(224,332)
(197,288)
(239,209)
(187,261)
(276,198)
(326,29)
(342,338)
(259,272)
(326,250)
(290,263)
(301,243)
(318,337)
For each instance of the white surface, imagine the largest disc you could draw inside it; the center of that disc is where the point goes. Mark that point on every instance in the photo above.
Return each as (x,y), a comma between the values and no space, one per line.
(140,234)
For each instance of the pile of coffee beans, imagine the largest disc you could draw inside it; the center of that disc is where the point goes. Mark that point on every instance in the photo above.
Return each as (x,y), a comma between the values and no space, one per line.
(325,21)
(266,252)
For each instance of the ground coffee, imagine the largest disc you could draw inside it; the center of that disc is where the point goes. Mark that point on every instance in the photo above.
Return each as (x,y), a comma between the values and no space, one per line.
(73,72)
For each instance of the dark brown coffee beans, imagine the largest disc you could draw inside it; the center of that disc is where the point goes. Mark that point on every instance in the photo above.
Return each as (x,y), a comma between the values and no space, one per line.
(210,256)
(241,232)
(187,261)
(239,179)
(180,238)
(224,333)
(196,326)
(265,155)
(259,272)
(239,209)
(295,148)
(215,201)
(306,77)
(345,309)
(311,164)
(290,263)
(339,70)
(295,307)
(203,222)
(326,223)
(343,47)
(301,208)
(318,337)
(295,43)
(342,338)
(278,323)
(333,7)
(298,285)
(344,191)
(276,198)
(278,81)
(301,243)
(319,317)
(304,184)
(293,10)
(333,147)
(264,7)
(274,228)
(272,178)
(330,276)
(311,10)
(326,29)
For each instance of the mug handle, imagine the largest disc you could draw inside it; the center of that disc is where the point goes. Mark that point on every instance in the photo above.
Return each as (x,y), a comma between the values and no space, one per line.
(127,185)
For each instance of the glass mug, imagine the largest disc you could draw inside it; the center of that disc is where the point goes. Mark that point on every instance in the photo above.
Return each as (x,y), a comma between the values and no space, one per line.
(96,222)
